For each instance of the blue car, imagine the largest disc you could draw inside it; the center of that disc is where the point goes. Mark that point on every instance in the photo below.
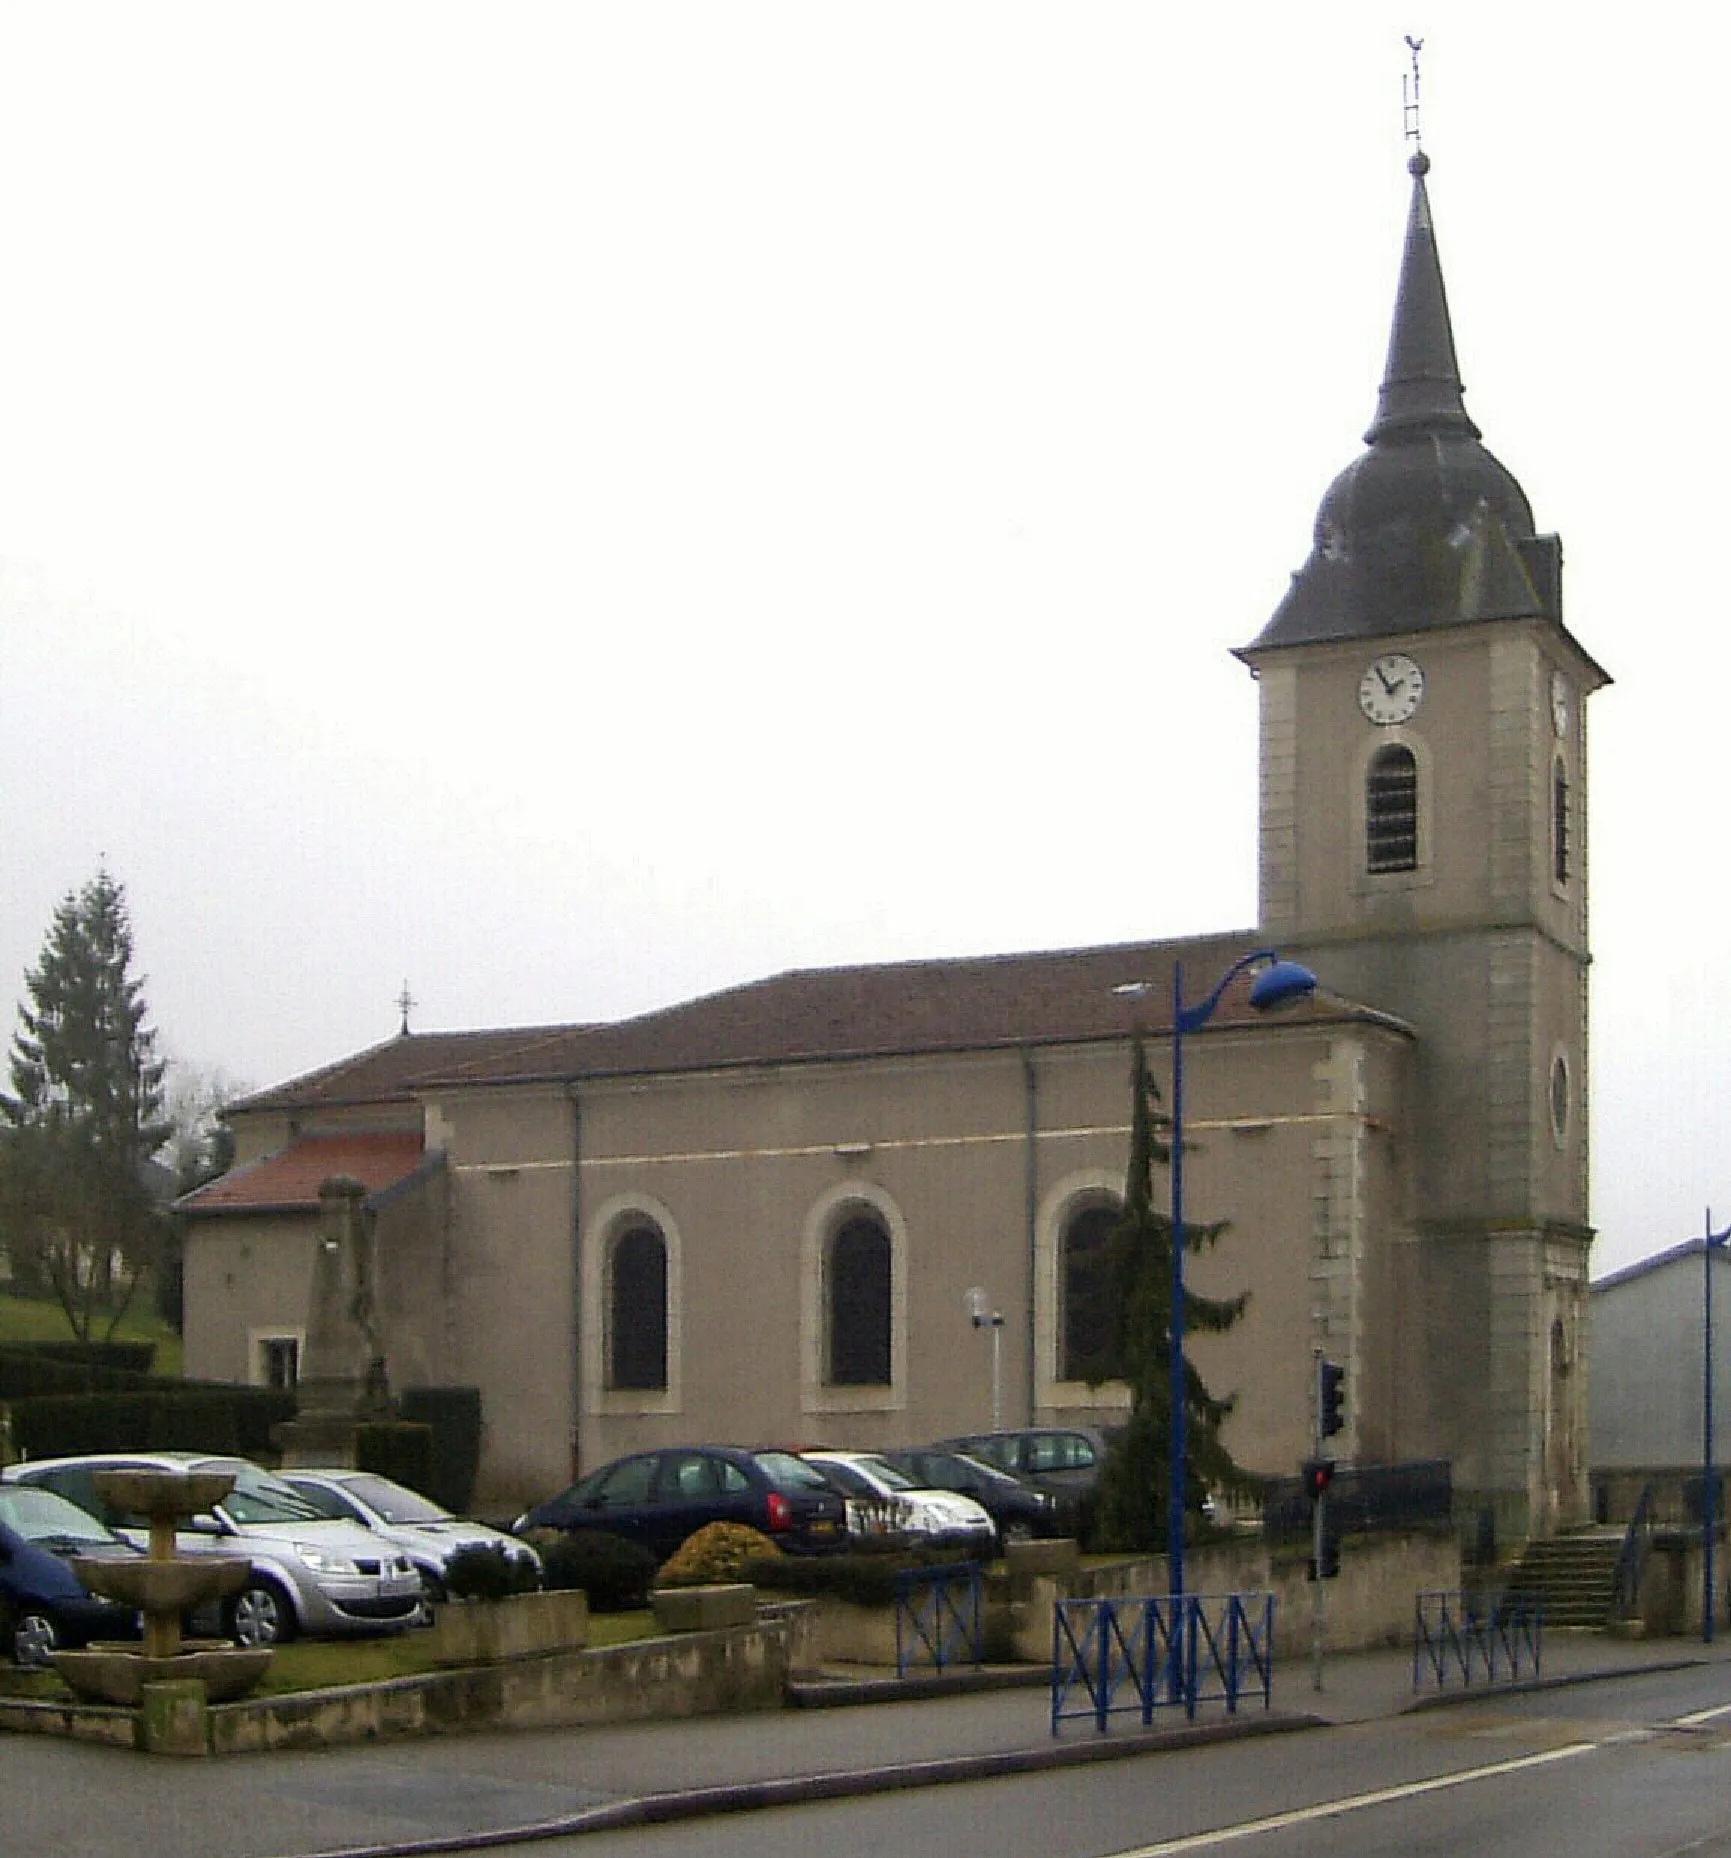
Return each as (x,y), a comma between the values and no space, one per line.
(43,1604)
(658,1498)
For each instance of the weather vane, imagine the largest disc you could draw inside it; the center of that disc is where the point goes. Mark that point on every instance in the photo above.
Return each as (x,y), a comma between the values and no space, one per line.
(405,1000)
(1409,95)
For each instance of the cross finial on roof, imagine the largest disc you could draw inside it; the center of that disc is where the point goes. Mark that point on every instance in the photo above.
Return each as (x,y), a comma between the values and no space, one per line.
(1409,96)
(405,1000)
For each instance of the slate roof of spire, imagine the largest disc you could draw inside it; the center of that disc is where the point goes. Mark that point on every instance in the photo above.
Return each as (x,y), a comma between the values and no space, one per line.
(1425,528)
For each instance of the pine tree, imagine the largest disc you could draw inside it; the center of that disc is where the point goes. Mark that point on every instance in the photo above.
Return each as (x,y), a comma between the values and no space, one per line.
(84,1116)
(1131,1503)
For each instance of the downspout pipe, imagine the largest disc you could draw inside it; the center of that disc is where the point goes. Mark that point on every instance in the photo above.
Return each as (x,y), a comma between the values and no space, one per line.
(1030,1217)
(575,1353)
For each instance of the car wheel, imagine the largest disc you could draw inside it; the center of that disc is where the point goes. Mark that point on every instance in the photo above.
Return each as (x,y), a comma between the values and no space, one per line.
(1018,1531)
(260,1615)
(32,1639)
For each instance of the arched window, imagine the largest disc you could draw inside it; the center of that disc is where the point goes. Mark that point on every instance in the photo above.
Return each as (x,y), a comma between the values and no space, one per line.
(1085,1330)
(1559,821)
(858,1311)
(1391,811)
(637,1310)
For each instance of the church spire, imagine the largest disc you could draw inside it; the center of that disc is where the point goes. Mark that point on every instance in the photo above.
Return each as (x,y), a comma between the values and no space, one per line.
(1421,385)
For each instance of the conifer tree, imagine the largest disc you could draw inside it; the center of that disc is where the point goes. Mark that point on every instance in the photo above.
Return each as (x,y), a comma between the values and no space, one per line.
(1131,1502)
(84,1115)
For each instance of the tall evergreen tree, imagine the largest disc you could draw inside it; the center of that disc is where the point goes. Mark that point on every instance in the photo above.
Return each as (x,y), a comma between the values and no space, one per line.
(1136,1284)
(84,1116)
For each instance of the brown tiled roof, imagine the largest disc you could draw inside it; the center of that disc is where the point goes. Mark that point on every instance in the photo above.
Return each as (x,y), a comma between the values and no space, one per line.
(290,1179)
(813,1015)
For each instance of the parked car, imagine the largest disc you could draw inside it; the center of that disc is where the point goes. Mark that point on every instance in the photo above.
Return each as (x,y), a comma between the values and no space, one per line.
(1019,1512)
(309,1574)
(1064,1461)
(659,1498)
(44,1607)
(885,1500)
(427,1534)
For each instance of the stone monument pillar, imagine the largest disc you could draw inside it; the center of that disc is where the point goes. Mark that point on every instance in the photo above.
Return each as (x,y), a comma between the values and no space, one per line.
(343,1380)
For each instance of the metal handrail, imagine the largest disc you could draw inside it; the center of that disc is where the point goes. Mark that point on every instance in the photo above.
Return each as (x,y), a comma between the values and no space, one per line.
(1632,1557)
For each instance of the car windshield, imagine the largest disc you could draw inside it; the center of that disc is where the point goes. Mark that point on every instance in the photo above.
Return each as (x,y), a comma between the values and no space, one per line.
(881,1471)
(45,1516)
(786,1472)
(258,1497)
(394,1502)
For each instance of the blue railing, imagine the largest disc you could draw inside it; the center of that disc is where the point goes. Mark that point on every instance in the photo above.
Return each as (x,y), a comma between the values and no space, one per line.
(1463,1637)
(1112,1657)
(939,1617)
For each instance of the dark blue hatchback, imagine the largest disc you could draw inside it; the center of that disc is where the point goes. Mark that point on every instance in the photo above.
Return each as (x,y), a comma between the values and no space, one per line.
(43,1604)
(659,1498)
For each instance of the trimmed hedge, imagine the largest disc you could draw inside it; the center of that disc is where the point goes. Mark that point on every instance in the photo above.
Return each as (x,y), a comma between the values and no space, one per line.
(453,1415)
(126,1357)
(614,1573)
(401,1452)
(866,1580)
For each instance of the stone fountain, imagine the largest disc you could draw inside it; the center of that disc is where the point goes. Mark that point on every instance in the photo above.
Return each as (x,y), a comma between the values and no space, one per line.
(163,1586)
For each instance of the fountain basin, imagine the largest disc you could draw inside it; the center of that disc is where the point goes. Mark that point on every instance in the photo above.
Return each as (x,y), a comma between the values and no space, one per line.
(160,1493)
(107,1672)
(163,1586)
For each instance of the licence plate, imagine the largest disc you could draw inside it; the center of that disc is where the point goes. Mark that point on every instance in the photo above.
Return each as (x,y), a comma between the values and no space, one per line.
(822,1526)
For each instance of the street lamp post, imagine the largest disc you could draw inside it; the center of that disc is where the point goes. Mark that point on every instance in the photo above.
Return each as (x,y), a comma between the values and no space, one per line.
(1714,1241)
(983,1316)
(1279,982)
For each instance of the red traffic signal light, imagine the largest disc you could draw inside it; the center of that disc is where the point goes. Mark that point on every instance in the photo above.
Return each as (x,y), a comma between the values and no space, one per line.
(1318,1474)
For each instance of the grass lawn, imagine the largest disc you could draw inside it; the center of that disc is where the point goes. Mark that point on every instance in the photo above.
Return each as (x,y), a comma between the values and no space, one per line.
(321,1664)
(40,1319)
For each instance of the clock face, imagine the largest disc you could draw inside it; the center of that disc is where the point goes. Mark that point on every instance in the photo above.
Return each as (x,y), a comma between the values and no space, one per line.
(1559,703)
(1391,689)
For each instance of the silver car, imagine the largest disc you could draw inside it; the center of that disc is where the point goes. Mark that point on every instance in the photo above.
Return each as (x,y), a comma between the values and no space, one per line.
(309,1574)
(427,1534)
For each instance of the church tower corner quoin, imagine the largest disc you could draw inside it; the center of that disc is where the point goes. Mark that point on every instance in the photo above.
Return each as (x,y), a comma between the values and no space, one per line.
(1423,846)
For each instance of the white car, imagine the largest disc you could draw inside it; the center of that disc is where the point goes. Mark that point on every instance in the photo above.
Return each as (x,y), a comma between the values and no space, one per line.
(428,1535)
(883,1500)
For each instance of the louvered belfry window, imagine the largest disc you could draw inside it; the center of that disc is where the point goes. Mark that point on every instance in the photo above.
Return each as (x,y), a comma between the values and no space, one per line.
(1560,823)
(1391,811)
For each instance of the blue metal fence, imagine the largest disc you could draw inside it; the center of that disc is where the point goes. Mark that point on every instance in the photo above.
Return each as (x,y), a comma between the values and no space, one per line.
(939,1617)
(1466,1638)
(1111,1657)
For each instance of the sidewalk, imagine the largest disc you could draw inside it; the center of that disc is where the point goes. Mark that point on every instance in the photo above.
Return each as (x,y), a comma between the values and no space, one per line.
(853,1735)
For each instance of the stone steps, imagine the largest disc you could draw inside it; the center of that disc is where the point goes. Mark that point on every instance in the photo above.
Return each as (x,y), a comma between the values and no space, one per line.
(1573,1577)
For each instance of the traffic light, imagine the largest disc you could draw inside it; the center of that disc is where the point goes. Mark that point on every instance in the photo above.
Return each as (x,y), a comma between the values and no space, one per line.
(1318,1475)
(1330,1396)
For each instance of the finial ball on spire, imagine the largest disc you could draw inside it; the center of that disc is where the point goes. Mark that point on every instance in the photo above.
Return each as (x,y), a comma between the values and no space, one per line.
(1418,165)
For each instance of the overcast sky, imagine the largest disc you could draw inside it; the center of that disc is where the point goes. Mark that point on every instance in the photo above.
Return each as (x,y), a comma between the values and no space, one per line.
(575,506)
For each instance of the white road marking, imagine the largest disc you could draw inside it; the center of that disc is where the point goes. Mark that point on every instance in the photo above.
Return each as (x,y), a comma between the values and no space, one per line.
(1409,1790)
(1354,1803)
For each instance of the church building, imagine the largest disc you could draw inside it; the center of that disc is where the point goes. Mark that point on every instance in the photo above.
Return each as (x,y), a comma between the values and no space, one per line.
(758,1217)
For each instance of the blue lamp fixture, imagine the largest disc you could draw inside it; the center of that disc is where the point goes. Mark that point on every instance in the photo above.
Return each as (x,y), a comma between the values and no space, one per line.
(1279,983)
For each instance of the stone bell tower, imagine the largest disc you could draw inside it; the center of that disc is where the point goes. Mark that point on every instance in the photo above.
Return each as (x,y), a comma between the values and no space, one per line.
(1424,835)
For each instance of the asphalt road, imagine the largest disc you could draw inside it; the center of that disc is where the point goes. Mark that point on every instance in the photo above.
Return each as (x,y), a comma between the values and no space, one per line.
(1639,1767)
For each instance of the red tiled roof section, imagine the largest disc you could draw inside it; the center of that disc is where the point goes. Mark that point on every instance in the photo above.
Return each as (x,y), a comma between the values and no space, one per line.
(810,1015)
(292,1177)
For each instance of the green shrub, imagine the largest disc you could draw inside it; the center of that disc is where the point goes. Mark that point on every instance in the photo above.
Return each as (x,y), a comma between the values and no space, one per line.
(488,1571)
(614,1573)
(716,1552)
